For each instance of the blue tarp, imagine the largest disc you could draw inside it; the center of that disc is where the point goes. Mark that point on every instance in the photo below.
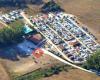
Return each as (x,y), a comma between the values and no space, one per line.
(26,47)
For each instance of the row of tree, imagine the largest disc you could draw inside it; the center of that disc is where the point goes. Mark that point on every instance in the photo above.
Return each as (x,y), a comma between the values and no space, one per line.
(10,35)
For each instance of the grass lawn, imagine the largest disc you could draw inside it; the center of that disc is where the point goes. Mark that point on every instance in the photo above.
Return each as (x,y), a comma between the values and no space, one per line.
(16,23)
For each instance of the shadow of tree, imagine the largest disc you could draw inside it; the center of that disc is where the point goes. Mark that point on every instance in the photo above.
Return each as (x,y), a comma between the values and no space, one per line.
(11,53)
(19,3)
(8,54)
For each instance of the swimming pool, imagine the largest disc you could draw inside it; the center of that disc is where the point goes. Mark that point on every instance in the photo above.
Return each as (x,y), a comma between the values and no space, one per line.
(27,29)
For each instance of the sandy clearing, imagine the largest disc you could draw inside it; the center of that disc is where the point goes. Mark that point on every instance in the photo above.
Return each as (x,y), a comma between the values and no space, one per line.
(73,74)
(3,74)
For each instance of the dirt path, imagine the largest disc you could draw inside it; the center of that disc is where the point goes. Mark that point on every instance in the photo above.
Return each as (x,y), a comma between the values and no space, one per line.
(3,24)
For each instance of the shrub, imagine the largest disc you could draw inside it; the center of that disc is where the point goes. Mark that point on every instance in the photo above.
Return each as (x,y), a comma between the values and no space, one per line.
(93,62)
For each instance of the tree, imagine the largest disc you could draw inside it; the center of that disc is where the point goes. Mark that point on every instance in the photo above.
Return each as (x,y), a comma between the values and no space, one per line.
(93,62)
(10,35)
(51,6)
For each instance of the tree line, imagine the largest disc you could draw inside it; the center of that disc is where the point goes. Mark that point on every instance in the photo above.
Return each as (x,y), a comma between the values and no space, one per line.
(18,3)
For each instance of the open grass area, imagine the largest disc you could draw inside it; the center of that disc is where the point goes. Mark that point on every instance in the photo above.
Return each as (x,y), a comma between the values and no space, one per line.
(33,9)
(65,72)
(16,23)
(41,73)
(73,74)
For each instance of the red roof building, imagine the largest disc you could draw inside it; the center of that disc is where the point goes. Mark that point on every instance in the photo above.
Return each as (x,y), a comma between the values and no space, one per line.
(35,38)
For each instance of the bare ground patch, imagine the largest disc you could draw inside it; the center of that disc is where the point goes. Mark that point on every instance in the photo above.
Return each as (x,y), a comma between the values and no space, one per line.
(3,74)
(73,74)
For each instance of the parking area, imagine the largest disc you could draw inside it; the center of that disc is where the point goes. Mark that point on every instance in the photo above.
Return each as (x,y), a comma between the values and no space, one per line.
(11,16)
(66,35)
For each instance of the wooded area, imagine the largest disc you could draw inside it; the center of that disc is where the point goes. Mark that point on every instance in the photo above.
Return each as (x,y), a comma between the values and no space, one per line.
(19,3)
